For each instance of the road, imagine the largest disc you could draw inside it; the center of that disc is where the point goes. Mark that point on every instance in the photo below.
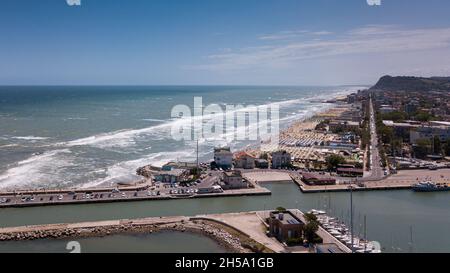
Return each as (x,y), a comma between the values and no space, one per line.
(376,171)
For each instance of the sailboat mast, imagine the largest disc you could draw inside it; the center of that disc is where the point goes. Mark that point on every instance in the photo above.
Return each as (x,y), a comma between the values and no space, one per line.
(351,217)
(365,233)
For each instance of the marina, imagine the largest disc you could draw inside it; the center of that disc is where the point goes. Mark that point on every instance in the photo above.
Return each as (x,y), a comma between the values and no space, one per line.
(340,231)
(427,214)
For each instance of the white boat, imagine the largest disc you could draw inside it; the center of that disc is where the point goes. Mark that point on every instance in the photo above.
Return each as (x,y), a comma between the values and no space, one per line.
(334,232)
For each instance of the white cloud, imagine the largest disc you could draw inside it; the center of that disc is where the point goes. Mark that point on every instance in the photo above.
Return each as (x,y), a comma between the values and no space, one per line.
(371,39)
(284,35)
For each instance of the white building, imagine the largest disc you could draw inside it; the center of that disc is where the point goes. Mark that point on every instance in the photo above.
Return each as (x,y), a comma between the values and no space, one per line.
(234,180)
(223,157)
(280,159)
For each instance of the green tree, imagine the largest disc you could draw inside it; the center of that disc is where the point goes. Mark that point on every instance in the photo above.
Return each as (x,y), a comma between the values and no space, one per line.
(264,156)
(309,231)
(309,217)
(386,133)
(422,148)
(395,116)
(437,145)
(446,147)
(333,161)
(423,116)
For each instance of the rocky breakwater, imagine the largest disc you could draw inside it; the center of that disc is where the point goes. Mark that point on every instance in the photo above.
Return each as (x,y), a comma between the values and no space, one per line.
(68,232)
(101,229)
(147,171)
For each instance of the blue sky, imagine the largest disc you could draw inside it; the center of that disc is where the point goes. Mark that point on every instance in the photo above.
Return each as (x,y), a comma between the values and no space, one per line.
(237,42)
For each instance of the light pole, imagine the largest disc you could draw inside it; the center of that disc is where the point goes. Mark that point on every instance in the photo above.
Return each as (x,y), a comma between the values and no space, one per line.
(351,217)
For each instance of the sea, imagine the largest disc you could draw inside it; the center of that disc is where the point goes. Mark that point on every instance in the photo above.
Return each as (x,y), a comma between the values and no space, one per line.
(89,136)
(57,137)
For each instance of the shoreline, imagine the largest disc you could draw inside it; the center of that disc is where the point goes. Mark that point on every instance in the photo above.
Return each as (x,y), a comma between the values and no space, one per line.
(327,103)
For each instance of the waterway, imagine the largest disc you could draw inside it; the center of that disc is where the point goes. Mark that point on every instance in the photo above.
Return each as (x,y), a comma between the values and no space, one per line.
(391,215)
(163,242)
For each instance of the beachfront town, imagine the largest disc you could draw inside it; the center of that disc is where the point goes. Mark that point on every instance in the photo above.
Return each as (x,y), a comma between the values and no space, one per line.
(375,139)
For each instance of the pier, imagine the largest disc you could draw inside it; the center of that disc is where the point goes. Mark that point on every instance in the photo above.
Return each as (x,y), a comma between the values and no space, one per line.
(108,195)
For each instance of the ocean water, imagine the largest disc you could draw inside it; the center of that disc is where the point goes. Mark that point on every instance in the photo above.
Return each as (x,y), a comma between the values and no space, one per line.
(56,137)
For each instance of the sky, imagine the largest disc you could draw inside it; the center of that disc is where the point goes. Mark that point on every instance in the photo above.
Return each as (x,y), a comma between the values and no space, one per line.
(221,42)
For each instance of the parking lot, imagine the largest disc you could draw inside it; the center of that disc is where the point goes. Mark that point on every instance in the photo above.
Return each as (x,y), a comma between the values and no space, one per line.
(155,191)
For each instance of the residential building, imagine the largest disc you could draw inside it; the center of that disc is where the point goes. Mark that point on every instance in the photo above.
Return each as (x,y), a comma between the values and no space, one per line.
(233,180)
(341,125)
(285,226)
(385,109)
(430,132)
(223,157)
(281,159)
(172,176)
(244,160)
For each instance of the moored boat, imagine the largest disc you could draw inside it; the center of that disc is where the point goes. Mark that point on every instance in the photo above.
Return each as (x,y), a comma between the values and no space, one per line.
(429,186)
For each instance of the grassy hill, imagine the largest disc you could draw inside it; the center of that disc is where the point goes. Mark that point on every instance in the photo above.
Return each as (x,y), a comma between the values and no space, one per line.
(389,83)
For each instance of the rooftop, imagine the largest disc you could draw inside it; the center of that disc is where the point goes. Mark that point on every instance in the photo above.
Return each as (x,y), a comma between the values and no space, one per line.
(287,219)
